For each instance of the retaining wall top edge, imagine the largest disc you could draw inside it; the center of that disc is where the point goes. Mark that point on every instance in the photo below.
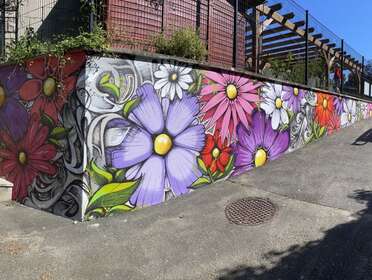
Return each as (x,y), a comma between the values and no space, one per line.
(125,53)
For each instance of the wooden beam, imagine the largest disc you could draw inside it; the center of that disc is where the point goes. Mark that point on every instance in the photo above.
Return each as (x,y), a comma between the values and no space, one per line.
(291,26)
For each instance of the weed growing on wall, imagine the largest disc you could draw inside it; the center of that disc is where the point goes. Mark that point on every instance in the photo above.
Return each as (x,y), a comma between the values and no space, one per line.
(184,42)
(29,45)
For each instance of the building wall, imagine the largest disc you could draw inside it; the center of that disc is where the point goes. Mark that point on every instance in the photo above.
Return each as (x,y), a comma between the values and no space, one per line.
(51,17)
(109,135)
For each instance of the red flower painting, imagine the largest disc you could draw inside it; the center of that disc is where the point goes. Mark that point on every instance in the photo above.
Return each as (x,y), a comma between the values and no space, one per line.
(216,154)
(22,161)
(324,109)
(52,82)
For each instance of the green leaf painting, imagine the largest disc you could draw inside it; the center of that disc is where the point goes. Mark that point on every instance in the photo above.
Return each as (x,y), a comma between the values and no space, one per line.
(112,194)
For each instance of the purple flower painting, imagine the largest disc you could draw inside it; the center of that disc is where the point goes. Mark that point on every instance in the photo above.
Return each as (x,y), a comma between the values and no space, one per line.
(338,102)
(13,116)
(161,147)
(293,96)
(259,144)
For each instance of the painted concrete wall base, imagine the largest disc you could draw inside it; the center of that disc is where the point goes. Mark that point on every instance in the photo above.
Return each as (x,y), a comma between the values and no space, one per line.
(87,136)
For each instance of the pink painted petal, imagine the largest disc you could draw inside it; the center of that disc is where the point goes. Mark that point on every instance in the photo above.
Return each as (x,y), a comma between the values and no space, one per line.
(214,76)
(213,102)
(247,107)
(208,89)
(221,109)
(242,81)
(235,120)
(241,114)
(225,124)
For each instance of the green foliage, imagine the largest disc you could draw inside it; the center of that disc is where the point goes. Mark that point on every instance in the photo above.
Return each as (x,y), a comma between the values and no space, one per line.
(290,70)
(29,45)
(184,42)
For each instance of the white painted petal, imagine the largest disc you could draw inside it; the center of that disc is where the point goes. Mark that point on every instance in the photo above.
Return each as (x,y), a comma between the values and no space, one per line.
(161,83)
(275,120)
(179,91)
(186,79)
(161,74)
(284,116)
(267,107)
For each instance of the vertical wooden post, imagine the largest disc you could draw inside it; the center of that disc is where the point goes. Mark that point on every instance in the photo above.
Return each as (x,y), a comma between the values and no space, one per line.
(198,11)
(362,79)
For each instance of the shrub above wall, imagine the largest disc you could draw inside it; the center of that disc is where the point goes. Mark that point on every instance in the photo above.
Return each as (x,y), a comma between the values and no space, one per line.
(103,135)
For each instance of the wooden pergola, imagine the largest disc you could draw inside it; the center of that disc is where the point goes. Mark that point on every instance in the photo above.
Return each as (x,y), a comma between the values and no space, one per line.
(265,42)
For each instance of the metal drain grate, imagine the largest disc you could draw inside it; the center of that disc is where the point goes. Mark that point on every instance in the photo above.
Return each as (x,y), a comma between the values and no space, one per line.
(250,211)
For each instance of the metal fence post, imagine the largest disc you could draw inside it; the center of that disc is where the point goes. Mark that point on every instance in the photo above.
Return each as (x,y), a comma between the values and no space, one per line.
(198,11)
(162,15)
(342,66)
(307,49)
(235,37)
(91,15)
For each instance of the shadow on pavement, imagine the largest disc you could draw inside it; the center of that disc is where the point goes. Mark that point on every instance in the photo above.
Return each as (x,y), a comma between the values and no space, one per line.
(345,253)
(363,139)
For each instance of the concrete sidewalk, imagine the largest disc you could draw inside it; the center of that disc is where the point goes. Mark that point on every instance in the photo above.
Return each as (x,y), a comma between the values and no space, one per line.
(321,230)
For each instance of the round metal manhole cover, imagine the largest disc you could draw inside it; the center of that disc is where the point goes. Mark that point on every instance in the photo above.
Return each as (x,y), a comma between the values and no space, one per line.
(250,211)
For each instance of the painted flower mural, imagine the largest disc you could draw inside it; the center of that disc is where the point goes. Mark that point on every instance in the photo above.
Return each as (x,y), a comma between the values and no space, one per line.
(173,79)
(116,134)
(51,83)
(160,149)
(349,115)
(324,109)
(216,153)
(228,100)
(24,160)
(293,97)
(13,116)
(273,104)
(259,144)
(339,102)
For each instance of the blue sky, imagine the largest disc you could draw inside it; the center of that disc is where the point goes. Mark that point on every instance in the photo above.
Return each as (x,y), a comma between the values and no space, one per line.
(350,20)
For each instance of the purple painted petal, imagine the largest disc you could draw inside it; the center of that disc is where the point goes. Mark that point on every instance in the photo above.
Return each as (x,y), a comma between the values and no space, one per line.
(269,136)
(181,114)
(149,112)
(243,157)
(182,170)
(246,138)
(280,145)
(258,126)
(151,189)
(136,147)
(12,78)
(13,118)
(192,138)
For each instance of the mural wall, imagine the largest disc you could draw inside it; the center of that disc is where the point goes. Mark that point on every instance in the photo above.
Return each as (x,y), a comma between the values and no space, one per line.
(121,134)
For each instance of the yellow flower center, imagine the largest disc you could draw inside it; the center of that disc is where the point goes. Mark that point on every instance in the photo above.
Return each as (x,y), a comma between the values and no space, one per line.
(349,117)
(260,158)
(22,158)
(325,103)
(231,92)
(2,96)
(162,144)
(173,77)
(49,86)
(296,91)
(216,153)
(278,103)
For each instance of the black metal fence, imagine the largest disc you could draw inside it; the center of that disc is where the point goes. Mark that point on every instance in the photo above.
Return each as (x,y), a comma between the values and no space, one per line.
(235,33)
